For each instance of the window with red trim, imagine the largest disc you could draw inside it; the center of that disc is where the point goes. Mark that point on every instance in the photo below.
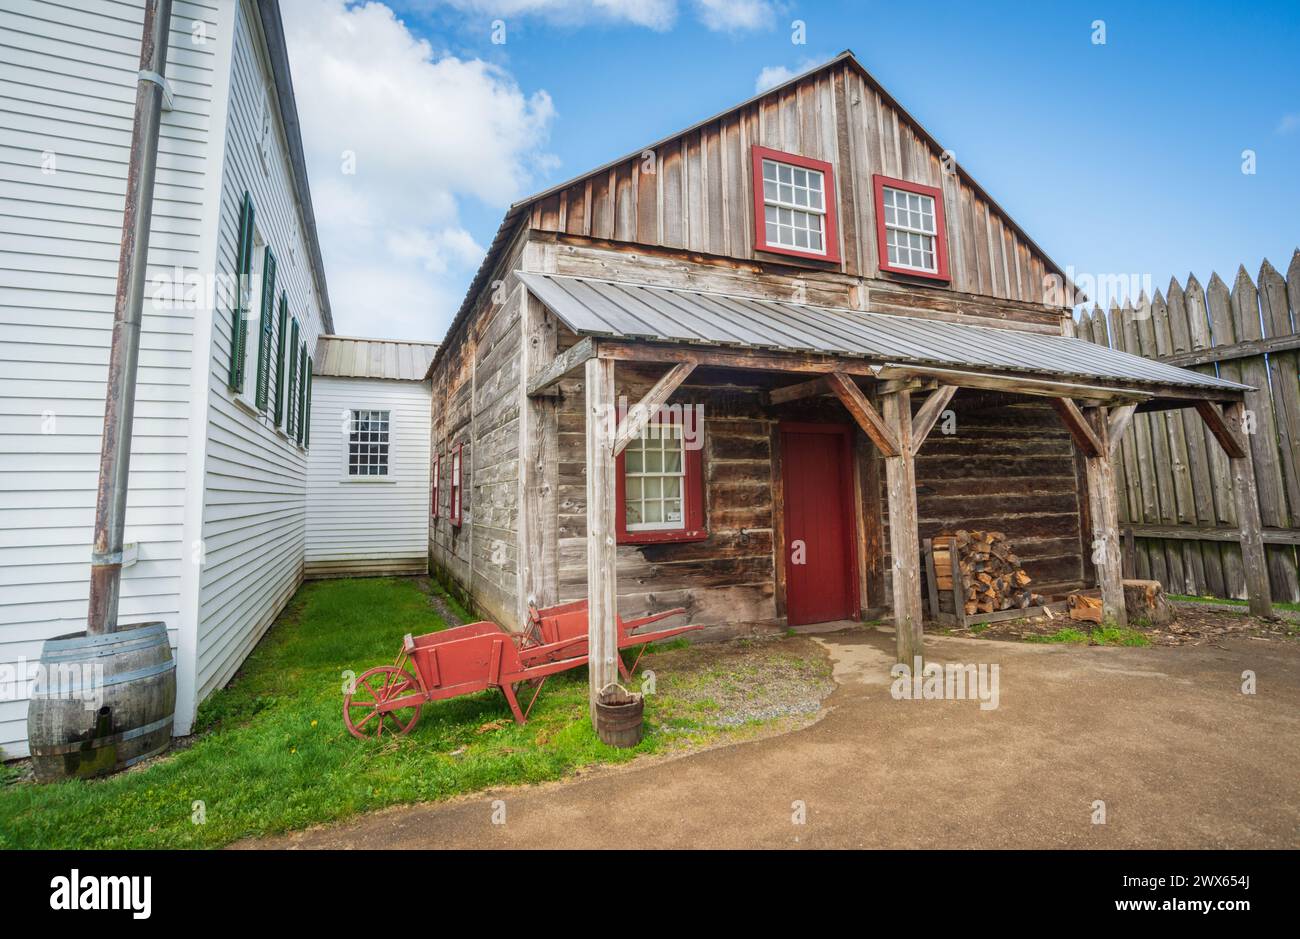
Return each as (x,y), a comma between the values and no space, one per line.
(910,229)
(660,484)
(433,485)
(794,205)
(455,485)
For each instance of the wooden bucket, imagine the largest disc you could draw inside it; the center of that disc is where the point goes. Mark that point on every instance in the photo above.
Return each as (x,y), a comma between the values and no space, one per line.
(101,703)
(619,716)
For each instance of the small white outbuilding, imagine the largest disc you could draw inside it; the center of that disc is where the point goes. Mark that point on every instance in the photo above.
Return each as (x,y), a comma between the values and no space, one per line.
(368,467)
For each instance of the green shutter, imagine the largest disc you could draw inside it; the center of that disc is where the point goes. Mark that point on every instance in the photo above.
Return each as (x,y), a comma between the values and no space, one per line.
(265,333)
(293,377)
(239,316)
(302,394)
(279,359)
(306,424)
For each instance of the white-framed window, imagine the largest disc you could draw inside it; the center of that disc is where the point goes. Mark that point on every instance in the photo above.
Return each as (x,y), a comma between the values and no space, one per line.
(794,207)
(910,225)
(654,480)
(369,439)
(910,229)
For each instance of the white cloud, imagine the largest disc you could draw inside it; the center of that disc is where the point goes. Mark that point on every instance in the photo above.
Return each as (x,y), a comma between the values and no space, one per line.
(660,15)
(1289,124)
(427,132)
(735,15)
(773,75)
(653,14)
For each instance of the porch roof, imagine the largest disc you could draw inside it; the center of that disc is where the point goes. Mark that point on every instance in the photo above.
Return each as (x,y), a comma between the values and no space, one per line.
(604,308)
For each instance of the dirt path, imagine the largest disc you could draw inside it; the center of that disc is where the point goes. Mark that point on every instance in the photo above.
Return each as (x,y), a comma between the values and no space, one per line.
(1163,736)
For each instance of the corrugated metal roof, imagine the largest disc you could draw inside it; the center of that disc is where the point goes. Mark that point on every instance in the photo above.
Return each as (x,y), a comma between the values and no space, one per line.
(349,357)
(634,311)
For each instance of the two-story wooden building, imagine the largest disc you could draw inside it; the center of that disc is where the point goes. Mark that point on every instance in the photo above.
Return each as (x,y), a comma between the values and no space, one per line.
(708,374)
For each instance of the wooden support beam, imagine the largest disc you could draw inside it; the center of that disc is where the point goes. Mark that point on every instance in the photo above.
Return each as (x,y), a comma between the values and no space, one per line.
(602,555)
(929,414)
(1103,511)
(814,363)
(872,424)
(562,365)
(1078,427)
(1025,385)
(797,392)
(904,539)
(1219,427)
(1258,592)
(1117,423)
(537,576)
(639,415)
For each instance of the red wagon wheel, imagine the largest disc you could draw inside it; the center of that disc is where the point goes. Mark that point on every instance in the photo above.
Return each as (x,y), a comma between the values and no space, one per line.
(361,711)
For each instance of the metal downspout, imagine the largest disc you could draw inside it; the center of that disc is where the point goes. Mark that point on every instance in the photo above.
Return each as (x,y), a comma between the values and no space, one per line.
(119,403)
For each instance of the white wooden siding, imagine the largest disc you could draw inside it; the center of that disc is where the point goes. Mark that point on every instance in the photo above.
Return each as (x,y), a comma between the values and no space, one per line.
(67,88)
(368,527)
(255,498)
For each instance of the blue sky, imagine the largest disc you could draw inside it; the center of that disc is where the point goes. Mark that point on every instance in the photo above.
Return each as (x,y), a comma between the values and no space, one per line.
(1122,157)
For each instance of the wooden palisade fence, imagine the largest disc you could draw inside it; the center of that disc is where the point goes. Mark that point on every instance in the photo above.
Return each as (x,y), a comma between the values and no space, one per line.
(1176,501)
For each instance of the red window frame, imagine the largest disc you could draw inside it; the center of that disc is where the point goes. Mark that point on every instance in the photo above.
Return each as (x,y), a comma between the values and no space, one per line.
(940,227)
(830,237)
(433,485)
(457,490)
(693,527)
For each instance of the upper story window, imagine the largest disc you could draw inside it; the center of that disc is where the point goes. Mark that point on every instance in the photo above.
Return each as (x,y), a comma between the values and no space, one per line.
(910,228)
(368,441)
(794,205)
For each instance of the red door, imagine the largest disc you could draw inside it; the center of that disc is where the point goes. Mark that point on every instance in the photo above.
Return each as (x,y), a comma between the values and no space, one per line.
(820,561)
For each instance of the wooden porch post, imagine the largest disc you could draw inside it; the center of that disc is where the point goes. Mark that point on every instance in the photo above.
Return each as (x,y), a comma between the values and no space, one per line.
(1258,591)
(538,549)
(904,546)
(1103,508)
(602,573)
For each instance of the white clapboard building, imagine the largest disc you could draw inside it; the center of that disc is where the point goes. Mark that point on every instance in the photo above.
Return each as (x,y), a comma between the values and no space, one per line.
(368,468)
(216,523)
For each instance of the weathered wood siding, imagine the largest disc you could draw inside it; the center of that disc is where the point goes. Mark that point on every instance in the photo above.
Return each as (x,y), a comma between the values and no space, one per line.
(363,524)
(695,193)
(727,579)
(475,403)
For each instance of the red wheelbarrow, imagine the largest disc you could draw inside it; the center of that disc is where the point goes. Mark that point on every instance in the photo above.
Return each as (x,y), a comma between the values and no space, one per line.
(478,656)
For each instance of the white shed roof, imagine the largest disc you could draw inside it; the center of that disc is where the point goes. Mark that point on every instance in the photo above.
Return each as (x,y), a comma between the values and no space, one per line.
(350,357)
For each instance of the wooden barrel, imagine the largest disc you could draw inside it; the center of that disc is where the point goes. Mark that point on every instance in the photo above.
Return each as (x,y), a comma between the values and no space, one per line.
(101,703)
(619,716)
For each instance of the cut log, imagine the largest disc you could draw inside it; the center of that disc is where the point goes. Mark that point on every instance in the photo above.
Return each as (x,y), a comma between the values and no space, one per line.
(1084,608)
(1147,604)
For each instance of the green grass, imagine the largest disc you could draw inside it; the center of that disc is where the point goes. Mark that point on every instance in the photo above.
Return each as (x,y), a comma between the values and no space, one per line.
(7,775)
(271,752)
(1101,636)
(1277,604)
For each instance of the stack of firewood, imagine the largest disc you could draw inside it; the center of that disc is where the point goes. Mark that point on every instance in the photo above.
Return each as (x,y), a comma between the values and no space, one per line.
(992,579)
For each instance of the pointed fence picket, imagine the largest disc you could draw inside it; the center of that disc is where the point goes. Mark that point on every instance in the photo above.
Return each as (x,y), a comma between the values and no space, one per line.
(1176,503)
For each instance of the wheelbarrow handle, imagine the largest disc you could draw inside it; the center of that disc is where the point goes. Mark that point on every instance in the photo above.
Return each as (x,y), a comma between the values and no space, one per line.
(631,624)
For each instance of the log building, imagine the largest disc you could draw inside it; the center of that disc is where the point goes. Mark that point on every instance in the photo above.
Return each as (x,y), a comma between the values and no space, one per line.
(748,369)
